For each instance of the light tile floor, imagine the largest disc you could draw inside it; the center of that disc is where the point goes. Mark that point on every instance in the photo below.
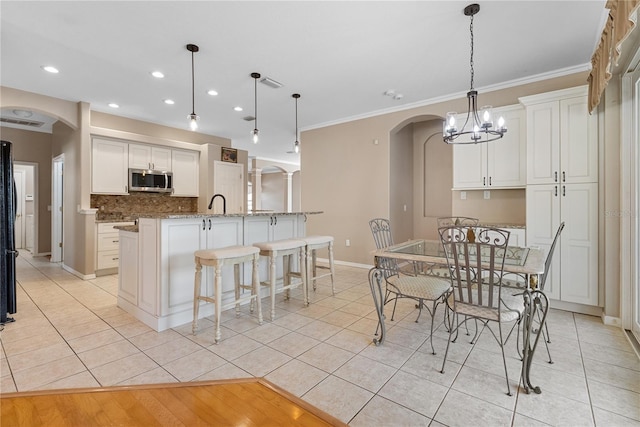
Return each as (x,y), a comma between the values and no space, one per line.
(70,333)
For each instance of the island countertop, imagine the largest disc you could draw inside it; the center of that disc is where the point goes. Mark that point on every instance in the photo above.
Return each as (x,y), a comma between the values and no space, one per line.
(180,215)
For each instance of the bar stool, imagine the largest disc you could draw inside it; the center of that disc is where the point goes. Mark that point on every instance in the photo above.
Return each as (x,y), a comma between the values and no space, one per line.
(313,243)
(218,258)
(285,248)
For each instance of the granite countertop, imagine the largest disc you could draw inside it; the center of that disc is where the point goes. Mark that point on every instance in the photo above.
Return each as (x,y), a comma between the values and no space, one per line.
(179,215)
(130,228)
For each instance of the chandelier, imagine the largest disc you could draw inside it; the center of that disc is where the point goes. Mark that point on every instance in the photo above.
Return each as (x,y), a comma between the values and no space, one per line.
(477,127)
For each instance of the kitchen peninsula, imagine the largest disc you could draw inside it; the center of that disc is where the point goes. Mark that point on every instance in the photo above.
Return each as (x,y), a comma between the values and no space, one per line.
(157,262)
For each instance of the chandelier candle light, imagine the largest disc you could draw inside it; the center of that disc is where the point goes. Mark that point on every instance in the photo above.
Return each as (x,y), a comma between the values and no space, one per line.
(476,128)
(255,131)
(296,145)
(193,117)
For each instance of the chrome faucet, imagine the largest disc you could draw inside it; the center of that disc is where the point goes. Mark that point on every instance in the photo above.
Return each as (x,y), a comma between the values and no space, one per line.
(224,203)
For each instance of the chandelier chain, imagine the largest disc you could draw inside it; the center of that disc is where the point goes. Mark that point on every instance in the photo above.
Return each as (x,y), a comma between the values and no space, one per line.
(193,85)
(471,56)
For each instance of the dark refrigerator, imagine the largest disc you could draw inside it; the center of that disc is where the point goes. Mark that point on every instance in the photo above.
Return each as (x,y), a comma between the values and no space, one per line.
(8,251)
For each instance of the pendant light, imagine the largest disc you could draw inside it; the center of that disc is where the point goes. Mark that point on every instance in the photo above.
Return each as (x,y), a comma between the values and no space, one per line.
(193,117)
(476,128)
(296,144)
(255,131)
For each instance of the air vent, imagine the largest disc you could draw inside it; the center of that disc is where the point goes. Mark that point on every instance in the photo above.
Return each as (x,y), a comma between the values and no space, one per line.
(21,122)
(271,83)
(248,118)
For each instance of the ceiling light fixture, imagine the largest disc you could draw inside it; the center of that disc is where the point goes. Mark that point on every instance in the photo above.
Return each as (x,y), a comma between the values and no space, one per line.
(193,117)
(212,92)
(113,105)
(157,74)
(237,108)
(296,144)
(476,128)
(168,101)
(50,69)
(255,131)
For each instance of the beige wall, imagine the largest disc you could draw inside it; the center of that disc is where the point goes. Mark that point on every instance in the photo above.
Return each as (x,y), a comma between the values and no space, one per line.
(401,184)
(35,147)
(346,175)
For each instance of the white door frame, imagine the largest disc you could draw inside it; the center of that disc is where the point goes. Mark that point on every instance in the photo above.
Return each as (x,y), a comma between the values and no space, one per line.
(19,178)
(57,214)
(630,200)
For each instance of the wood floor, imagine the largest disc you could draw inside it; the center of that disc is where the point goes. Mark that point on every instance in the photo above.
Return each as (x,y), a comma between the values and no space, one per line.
(242,402)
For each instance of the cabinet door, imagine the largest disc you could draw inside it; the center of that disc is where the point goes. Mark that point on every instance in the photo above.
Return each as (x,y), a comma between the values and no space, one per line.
(543,143)
(161,159)
(128,271)
(180,238)
(228,180)
(579,243)
(507,156)
(185,172)
(543,220)
(469,166)
(109,166)
(579,147)
(149,266)
(285,227)
(139,156)
(225,232)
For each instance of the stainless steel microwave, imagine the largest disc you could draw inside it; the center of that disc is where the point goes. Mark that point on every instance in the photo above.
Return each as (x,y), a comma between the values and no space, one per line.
(150,181)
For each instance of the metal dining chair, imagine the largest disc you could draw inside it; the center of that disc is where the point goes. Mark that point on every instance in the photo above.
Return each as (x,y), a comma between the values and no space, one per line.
(476,279)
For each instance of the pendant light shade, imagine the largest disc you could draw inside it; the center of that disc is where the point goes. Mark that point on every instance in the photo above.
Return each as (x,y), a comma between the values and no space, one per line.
(296,144)
(477,127)
(255,130)
(193,117)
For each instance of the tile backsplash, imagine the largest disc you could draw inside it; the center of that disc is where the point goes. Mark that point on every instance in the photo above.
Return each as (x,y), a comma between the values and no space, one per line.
(113,207)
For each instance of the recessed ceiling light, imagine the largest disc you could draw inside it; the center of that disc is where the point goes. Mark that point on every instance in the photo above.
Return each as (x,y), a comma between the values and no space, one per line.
(213,92)
(157,74)
(113,105)
(50,69)
(169,101)
(23,113)
(237,108)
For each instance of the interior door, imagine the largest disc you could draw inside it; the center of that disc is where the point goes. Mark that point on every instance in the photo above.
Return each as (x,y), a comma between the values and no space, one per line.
(228,180)
(56,209)
(19,178)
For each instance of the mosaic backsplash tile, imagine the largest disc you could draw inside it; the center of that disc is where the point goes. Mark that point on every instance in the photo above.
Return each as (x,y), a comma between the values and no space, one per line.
(117,207)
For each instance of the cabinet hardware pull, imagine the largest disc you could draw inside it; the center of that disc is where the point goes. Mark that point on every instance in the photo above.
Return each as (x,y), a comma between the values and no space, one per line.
(489,181)
(555,176)
(564,189)
(209,223)
(203,224)
(563,177)
(555,190)
(270,220)
(115,241)
(484,180)
(114,259)
(275,220)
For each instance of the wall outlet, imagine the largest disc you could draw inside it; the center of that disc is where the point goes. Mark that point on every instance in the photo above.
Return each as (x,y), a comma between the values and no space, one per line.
(347,242)
(463,195)
(405,208)
(487,194)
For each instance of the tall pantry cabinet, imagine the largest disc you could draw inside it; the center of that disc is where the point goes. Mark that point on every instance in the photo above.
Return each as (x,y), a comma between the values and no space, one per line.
(562,186)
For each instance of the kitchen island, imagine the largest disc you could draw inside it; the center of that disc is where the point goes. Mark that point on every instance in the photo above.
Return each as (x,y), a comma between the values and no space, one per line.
(157,263)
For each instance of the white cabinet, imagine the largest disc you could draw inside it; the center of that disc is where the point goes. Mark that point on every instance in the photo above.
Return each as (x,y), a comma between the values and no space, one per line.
(109,166)
(185,165)
(574,272)
(262,228)
(149,157)
(128,274)
(562,138)
(107,246)
(496,164)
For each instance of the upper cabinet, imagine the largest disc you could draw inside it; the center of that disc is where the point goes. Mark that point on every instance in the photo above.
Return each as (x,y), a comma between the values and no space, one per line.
(185,172)
(149,157)
(109,166)
(562,139)
(496,164)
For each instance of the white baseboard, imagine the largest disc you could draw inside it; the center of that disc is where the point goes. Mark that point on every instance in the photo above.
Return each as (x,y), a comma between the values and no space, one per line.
(347,263)
(65,267)
(589,310)
(611,321)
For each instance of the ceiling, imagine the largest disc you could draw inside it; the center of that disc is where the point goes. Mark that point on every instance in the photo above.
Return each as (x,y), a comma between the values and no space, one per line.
(341,56)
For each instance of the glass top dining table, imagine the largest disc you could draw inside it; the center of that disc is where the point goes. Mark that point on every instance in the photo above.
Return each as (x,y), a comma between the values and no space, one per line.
(520,260)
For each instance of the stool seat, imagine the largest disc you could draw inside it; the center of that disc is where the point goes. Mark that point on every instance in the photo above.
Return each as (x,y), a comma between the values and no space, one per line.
(228,252)
(317,240)
(280,245)
(219,258)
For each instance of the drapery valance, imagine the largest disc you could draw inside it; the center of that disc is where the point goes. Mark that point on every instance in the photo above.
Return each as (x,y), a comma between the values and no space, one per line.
(620,23)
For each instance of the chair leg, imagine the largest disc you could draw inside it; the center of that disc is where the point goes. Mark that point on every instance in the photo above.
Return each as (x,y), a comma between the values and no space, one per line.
(256,287)
(218,300)
(304,277)
(332,268)
(272,284)
(446,352)
(504,359)
(196,296)
(236,278)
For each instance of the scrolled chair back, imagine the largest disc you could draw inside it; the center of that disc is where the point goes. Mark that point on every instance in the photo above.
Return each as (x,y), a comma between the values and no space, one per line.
(476,280)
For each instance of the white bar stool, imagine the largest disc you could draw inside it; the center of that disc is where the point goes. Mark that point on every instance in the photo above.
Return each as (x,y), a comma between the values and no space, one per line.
(285,248)
(313,244)
(217,258)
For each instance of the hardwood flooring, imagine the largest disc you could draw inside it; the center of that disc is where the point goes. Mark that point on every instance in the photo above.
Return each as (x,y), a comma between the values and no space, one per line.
(240,402)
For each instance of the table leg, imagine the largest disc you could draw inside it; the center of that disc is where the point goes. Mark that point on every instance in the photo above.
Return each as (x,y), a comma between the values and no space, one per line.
(536,306)
(376,278)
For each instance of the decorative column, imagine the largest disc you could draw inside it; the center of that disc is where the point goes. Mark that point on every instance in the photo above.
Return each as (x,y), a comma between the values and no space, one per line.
(287,190)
